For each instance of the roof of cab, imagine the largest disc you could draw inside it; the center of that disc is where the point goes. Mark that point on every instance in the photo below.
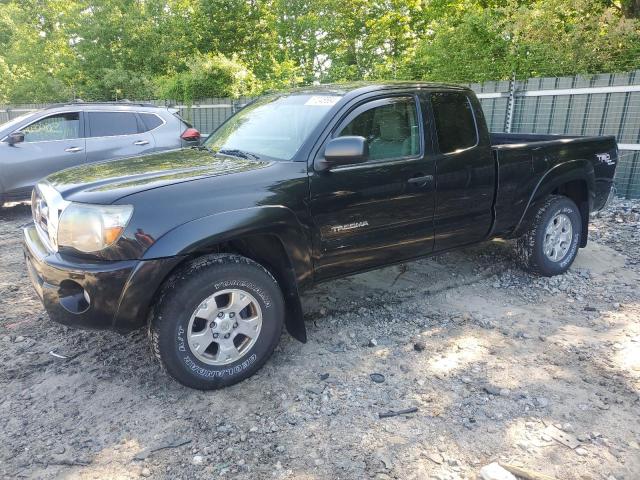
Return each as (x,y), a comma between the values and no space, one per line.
(365,87)
(359,87)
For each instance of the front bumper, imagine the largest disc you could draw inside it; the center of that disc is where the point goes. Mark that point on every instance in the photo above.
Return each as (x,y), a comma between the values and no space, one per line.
(91,294)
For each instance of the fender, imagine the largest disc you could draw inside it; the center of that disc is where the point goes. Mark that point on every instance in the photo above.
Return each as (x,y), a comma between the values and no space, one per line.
(556,176)
(198,236)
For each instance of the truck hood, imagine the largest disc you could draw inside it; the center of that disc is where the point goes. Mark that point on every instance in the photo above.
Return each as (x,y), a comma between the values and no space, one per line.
(106,182)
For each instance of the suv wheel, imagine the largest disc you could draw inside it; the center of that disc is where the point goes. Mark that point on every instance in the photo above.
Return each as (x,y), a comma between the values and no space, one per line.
(550,245)
(217,321)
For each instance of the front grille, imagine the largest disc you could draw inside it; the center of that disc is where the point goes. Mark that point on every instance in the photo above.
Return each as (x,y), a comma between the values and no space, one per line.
(40,211)
(46,207)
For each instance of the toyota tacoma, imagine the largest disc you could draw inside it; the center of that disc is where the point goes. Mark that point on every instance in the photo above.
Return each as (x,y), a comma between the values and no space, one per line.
(209,247)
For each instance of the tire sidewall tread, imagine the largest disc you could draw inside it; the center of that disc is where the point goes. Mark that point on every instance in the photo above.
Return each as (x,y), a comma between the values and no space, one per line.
(529,247)
(184,291)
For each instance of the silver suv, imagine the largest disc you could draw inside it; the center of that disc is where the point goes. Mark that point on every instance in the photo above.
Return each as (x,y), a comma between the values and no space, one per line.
(65,135)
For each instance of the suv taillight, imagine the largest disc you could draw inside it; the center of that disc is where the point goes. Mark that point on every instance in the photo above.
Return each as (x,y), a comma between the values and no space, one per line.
(190,135)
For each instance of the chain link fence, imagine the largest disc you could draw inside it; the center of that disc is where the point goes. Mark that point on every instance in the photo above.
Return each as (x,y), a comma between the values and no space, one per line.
(604,104)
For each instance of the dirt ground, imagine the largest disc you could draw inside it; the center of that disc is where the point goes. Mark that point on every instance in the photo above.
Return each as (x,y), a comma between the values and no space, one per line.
(498,363)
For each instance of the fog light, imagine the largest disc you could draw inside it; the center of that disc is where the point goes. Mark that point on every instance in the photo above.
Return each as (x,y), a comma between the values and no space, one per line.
(73,297)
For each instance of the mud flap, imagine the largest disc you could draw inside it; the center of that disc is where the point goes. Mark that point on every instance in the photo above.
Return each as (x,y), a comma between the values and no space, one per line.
(294,316)
(584,213)
(294,320)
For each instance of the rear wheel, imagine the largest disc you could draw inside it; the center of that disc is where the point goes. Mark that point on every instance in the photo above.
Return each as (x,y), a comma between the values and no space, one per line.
(217,321)
(551,243)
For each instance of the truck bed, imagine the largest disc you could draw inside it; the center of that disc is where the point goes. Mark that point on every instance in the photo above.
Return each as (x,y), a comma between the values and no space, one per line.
(524,159)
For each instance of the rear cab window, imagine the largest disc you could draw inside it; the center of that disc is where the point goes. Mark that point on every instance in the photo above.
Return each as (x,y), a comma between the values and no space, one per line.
(111,124)
(454,120)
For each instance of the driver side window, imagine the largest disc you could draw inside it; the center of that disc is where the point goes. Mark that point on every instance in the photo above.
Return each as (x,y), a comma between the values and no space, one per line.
(63,126)
(391,129)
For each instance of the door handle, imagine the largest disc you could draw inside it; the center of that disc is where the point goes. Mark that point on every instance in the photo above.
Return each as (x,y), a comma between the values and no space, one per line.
(73,149)
(421,181)
(141,142)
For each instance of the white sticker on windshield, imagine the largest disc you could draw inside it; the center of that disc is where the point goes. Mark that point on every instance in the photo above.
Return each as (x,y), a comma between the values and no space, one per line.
(322,100)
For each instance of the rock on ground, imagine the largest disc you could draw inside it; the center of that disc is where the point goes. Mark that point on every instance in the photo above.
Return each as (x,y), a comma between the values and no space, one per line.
(494,471)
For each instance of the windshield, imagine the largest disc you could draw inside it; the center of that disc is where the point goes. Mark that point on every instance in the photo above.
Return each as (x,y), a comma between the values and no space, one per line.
(274,126)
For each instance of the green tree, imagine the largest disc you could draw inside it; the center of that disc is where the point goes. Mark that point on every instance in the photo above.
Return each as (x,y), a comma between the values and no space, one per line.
(35,49)
(58,49)
(542,38)
(209,76)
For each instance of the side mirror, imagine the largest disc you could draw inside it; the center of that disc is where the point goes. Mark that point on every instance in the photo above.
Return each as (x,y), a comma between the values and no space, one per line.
(344,151)
(15,137)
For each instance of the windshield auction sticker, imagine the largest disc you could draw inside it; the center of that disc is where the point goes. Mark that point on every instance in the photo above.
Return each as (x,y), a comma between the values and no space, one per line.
(322,100)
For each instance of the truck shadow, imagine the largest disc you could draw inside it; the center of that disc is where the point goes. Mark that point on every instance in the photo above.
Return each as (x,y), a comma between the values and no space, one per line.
(15,211)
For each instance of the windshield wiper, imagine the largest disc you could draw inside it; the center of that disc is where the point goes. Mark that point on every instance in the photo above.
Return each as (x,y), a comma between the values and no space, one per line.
(238,153)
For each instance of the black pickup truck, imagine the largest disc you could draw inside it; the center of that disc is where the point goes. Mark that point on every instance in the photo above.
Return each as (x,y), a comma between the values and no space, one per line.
(210,247)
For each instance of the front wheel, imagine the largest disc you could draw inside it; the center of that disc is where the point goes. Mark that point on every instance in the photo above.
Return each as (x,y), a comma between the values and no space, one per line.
(551,243)
(217,321)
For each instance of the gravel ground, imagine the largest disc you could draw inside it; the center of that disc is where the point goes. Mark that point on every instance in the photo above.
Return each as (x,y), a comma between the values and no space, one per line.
(499,365)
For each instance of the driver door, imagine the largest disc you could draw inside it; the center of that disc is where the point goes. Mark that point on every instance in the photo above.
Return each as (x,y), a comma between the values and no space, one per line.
(380,211)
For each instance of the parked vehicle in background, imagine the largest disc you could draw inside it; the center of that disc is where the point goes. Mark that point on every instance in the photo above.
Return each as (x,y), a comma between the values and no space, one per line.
(66,135)
(209,247)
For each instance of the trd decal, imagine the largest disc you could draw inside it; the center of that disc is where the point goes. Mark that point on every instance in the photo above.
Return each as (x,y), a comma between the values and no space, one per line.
(605,158)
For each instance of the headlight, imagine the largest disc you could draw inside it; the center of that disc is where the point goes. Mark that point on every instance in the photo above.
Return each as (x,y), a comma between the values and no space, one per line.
(91,228)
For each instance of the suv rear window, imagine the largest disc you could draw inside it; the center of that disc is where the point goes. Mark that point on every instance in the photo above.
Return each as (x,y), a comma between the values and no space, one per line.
(109,124)
(150,121)
(455,122)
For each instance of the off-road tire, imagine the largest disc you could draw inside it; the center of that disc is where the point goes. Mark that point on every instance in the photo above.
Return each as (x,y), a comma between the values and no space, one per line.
(180,297)
(529,247)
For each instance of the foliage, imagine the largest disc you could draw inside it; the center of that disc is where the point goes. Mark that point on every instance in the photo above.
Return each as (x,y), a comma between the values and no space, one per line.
(35,48)
(58,49)
(544,38)
(209,76)
(471,48)
(118,83)
(5,73)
